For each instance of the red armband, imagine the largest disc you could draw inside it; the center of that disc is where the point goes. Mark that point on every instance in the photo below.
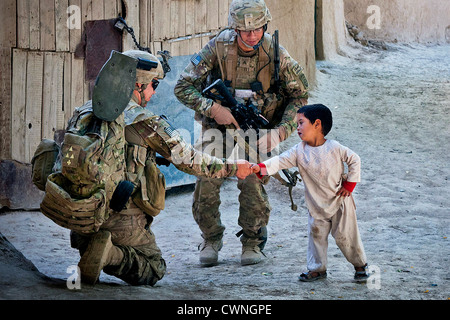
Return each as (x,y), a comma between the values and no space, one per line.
(349,186)
(263,171)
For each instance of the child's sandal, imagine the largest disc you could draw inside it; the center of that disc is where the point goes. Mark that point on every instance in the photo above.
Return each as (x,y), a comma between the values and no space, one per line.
(312,276)
(361,275)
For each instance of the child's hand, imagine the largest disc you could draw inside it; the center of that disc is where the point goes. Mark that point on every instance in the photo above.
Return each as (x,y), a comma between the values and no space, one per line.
(343,192)
(255,168)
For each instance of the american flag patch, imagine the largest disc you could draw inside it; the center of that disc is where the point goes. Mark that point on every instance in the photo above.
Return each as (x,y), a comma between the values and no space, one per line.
(195,59)
(169,129)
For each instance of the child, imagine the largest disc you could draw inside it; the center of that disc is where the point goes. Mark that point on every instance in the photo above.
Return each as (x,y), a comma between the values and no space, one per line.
(328,191)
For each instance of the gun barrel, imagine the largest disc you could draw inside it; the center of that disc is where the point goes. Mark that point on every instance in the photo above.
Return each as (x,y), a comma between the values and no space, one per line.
(223,91)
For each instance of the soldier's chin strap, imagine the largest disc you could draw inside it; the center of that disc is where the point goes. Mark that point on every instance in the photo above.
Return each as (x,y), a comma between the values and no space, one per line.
(141,90)
(255,46)
(249,46)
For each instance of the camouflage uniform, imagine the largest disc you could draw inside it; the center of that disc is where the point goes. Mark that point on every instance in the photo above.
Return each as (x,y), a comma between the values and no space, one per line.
(222,58)
(142,263)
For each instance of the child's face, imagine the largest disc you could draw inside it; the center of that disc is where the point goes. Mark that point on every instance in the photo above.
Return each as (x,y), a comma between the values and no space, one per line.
(307,131)
(304,126)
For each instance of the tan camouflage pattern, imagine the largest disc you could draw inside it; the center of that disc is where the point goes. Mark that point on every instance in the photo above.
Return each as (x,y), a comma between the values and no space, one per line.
(84,215)
(143,76)
(248,14)
(92,159)
(146,134)
(294,88)
(142,262)
(280,110)
(94,162)
(90,168)
(155,132)
(254,208)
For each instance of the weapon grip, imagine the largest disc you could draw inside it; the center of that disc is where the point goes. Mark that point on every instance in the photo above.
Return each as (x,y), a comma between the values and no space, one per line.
(224,92)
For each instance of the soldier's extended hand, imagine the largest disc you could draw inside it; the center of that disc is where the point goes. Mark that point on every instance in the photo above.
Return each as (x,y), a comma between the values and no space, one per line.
(244,169)
(223,115)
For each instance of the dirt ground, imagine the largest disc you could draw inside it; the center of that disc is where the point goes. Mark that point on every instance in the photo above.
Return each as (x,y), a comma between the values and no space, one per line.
(392,108)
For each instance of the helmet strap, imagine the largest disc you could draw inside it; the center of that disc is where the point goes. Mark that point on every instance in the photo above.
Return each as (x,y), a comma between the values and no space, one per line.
(140,90)
(249,46)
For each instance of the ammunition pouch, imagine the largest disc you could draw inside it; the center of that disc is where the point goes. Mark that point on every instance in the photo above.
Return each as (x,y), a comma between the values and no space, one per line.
(43,161)
(80,215)
(150,195)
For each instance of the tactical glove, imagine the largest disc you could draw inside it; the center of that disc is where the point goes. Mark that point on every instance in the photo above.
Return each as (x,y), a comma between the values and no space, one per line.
(222,115)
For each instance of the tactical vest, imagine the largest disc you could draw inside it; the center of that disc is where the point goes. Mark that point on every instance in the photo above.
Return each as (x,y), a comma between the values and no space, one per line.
(227,54)
(90,168)
(269,103)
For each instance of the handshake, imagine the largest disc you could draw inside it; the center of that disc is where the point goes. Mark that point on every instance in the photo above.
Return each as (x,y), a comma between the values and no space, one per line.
(245,168)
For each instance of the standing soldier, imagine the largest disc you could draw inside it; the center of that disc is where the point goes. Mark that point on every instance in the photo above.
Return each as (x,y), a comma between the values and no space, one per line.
(115,236)
(243,56)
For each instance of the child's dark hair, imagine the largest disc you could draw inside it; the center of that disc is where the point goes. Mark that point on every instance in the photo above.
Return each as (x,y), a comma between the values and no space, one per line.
(318,111)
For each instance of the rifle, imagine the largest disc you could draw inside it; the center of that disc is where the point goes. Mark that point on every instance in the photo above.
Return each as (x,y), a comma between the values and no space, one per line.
(276,62)
(247,115)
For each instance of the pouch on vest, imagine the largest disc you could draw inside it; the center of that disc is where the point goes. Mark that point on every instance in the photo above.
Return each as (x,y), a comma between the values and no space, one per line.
(92,153)
(91,166)
(80,215)
(80,157)
(43,161)
(150,195)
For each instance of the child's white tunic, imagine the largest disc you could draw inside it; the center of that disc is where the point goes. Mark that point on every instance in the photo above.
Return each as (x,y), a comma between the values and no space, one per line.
(322,170)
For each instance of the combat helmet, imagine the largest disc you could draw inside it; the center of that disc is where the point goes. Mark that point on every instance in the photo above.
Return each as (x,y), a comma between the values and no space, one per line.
(117,79)
(248,14)
(146,76)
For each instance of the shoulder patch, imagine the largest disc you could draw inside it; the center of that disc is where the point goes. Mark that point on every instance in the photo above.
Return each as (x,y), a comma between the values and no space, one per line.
(298,70)
(168,128)
(196,59)
(304,80)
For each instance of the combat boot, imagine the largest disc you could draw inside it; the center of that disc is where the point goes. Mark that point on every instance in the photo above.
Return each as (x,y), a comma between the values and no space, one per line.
(251,247)
(251,254)
(100,253)
(209,252)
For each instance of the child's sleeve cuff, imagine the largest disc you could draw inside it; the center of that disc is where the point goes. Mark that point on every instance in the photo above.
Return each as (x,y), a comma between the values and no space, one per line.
(263,171)
(349,186)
